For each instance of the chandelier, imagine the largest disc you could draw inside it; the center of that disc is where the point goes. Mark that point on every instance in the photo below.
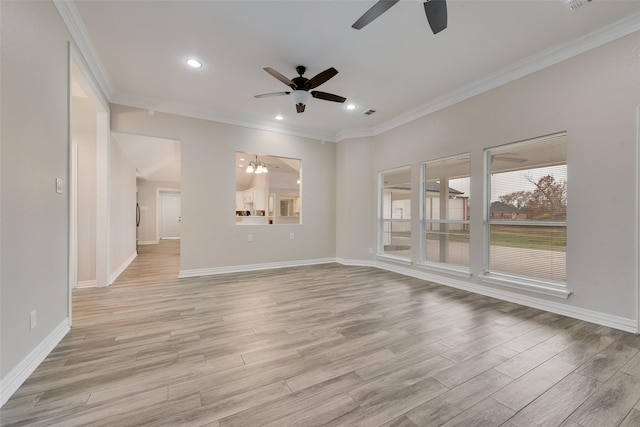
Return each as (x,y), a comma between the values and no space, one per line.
(257,167)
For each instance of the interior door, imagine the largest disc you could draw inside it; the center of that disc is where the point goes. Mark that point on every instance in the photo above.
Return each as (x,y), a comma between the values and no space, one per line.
(170,217)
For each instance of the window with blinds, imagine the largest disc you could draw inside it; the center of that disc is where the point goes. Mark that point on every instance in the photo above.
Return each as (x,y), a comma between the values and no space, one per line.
(394,223)
(526,209)
(445,211)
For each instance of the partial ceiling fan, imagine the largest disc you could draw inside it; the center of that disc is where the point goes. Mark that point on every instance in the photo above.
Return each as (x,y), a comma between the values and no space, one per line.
(436,11)
(302,86)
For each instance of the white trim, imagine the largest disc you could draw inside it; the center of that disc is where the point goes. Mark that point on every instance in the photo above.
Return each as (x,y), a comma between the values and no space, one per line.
(445,268)
(113,276)
(396,259)
(71,17)
(356,262)
(638,219)
(530,65)
(533,63)
(148,242)
(87,284)
(188,111)
(72,179)
(159,192)
(252,267)
(535,286)
(18,375)
(616,322)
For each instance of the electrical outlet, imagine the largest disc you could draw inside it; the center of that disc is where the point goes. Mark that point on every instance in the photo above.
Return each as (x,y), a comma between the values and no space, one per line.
(370,250)
(291,236)
(249,237)
(32,320)
(59,186)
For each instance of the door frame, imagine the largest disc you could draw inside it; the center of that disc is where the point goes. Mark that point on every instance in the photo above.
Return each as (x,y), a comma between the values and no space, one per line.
(159,193)
(85,78)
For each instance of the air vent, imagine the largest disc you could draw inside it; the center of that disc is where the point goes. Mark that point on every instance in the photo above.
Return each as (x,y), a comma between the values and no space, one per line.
(369,112)
(575,4)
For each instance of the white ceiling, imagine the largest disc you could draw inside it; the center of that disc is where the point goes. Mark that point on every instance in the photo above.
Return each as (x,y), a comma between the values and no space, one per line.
(395,65)
(155,159)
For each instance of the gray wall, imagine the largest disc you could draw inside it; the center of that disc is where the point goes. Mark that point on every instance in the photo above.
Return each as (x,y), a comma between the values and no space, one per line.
(355,200)
(210,238)
(122,209)
(595,98)
(34,152)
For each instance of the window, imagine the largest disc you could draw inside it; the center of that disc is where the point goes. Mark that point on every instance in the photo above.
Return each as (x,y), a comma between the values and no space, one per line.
(445,211)
(395,213)
(267,189)
(526,209)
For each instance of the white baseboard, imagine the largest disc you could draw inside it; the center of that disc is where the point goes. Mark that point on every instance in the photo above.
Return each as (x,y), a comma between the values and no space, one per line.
(356,262)
(148,242)
(87,284)
(123,267)
(19,374)
(252,267)
(604,319)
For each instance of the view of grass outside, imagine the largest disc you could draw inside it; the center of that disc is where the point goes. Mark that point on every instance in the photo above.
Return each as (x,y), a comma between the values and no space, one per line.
(530,237)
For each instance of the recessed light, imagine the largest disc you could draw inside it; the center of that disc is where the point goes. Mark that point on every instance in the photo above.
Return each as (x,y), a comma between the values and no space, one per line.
(191,62)
(279,117)
(351,106)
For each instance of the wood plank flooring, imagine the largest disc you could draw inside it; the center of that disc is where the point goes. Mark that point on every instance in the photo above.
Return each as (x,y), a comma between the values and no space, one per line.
(321,345)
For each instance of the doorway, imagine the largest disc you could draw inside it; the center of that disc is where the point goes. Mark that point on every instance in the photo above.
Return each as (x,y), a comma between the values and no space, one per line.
(88,180)
(170,215)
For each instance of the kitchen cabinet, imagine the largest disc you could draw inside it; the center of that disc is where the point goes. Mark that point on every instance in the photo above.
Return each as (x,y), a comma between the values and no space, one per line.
(247,196)
(239,201)
(259,199)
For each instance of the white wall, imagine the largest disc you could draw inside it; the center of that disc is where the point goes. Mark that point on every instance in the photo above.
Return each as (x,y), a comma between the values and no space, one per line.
(147,193)
(83,133)
(34,152)
(594,97)
(210,239)
(122,208)
(356,205)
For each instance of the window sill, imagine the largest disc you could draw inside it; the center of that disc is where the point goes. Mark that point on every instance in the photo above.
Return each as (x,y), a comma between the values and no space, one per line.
(540,287)
(445,268)
(395,259)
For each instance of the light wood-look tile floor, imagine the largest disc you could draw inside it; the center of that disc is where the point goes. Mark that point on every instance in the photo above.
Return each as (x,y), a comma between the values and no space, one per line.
(322,345)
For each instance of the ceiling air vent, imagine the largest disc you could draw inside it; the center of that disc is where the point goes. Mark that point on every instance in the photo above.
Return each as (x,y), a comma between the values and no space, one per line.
(575,4)
(369,112)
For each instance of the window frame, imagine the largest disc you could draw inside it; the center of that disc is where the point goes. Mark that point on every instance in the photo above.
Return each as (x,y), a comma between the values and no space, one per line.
(523,282)
(446,267)
(382,221)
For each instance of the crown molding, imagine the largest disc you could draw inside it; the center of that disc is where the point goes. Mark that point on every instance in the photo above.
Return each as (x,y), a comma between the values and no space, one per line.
(71,18)
(537,62)
(354,133)
(181,110)
(529,65)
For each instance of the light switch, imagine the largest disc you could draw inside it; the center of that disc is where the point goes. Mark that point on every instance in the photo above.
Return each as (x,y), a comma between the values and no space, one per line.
(59,185)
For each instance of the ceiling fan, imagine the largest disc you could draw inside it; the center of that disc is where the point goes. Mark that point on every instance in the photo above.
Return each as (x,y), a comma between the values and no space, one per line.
(436,11)
(302,86)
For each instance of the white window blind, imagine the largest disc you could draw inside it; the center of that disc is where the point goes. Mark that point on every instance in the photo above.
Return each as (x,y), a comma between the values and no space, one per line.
(527,209)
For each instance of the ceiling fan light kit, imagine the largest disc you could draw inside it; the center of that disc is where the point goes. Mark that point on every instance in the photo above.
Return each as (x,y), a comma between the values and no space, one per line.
(301,87)
(436,11)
